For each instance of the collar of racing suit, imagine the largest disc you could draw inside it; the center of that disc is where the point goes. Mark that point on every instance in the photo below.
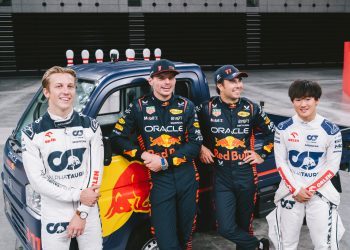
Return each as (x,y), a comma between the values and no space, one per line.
(59,121)
(163,103)
(230,105)
(315,122)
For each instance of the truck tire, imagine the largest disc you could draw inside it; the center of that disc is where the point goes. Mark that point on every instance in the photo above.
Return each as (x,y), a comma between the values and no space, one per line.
(141,238)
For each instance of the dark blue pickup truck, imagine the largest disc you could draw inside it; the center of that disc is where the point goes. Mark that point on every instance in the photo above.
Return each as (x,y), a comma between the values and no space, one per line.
(104,91)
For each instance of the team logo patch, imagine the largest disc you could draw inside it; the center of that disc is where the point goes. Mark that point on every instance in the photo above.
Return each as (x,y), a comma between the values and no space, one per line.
(288,204)
(196,124)
(70,159)
(268,148)
(243,114)
(49,137)
(119,127)
(181,104)
(216,112)
(176,111)
(304,160)
(178,160)
(121,120)
(165,140)
(56,228)
(94,125)
(131,153)
(229,142)
(294,137)
(28,130)
(150,110)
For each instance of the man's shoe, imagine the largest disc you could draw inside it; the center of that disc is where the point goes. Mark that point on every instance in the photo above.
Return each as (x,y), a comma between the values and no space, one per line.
(264,244)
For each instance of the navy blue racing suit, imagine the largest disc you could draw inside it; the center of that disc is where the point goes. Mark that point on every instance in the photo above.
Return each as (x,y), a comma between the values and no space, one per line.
(228,131)
(169,129)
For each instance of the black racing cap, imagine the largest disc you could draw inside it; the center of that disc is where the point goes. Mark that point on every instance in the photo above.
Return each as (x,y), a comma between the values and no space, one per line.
(162,66)
(228,72)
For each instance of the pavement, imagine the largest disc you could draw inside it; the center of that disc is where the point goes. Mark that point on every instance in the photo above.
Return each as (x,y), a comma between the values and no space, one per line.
(269,86)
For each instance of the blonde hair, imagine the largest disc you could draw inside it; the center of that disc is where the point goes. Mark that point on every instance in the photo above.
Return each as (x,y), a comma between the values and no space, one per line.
(53,70)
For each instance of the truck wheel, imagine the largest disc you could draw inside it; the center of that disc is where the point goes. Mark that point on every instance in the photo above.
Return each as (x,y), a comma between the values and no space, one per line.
(141,238)
(151,245)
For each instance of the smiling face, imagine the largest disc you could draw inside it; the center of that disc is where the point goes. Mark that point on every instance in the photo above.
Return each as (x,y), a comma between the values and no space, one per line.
(230,90)
(60,93)
(305,107)
(163,85)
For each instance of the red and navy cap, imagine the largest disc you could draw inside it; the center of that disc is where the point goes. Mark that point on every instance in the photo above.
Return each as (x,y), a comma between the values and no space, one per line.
(228,72)
(162,66)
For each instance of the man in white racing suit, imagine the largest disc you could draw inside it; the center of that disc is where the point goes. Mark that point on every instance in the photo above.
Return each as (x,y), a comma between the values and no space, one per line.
(63,160)
(308,151)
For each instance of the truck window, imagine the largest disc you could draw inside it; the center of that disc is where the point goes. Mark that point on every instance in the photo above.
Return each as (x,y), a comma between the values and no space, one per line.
(117,101)
(40,105)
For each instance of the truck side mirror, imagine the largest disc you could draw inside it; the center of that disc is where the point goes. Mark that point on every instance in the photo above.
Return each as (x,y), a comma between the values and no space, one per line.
(107,151)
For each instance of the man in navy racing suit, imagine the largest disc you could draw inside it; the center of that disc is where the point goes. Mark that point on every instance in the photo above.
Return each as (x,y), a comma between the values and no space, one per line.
(228,123)
(169,140)
(60,166)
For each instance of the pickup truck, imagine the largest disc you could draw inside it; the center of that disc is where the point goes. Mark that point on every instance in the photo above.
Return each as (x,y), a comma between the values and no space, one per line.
(104,90)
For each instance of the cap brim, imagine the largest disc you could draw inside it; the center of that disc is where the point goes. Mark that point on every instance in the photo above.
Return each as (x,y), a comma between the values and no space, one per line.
(236,75)
(175,72)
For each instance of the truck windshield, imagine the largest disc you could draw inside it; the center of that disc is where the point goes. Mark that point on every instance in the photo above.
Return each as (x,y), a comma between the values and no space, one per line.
(39,106)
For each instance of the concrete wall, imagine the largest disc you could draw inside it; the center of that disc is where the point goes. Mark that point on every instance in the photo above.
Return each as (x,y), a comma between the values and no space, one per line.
(149,6)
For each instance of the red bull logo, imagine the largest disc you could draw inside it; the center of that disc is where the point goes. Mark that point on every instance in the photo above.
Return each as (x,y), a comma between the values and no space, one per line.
(229,155)
(165,141)
(268,148)
(229,142)
(124,189)
(178,160)
(131,191)
(131,153)
(119,127)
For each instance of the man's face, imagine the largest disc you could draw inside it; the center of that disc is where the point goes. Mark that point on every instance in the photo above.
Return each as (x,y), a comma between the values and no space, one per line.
(60,93)
(305,108)
(163,85)
(230,90)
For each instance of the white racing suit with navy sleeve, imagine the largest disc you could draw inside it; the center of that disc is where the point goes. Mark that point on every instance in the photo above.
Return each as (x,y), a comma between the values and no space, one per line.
(61,158)
(307,155)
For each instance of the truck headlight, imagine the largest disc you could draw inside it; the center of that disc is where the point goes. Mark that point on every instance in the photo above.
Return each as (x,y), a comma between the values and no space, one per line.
(33,199)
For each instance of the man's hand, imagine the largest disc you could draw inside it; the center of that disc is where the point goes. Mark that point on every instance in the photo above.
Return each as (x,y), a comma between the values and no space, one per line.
(252,157)
(89,196)
(205,155)
(76,227)
(152,161)
(304,195)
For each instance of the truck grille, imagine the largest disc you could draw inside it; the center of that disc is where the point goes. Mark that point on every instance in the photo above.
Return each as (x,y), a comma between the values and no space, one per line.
(18,222)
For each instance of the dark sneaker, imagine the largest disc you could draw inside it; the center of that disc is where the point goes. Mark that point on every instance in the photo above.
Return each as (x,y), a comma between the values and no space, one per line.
(264,244)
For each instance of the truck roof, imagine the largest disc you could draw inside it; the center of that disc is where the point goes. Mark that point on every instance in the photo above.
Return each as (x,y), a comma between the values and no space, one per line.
(99,71)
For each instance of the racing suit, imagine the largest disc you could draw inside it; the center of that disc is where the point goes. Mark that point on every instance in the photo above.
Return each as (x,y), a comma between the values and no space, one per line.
(169,129)
(228,131)
(59,163)
(307,155)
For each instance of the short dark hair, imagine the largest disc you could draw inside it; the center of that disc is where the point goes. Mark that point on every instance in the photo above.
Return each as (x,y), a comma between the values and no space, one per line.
(220,81)
(304,88)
